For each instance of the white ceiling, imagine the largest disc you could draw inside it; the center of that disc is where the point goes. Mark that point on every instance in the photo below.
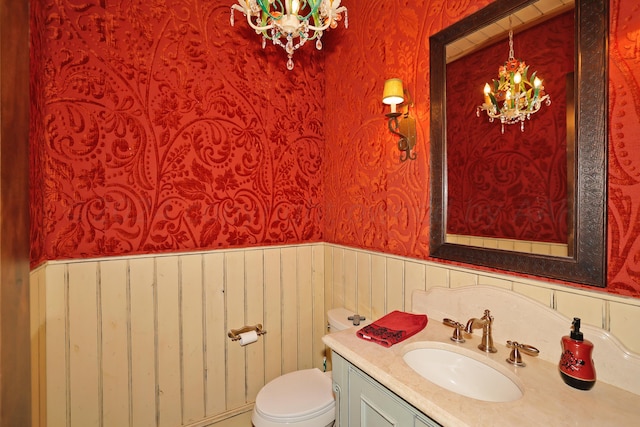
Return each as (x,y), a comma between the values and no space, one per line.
(538,11)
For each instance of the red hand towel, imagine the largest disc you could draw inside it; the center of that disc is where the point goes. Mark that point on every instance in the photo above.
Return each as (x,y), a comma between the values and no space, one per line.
(394,327)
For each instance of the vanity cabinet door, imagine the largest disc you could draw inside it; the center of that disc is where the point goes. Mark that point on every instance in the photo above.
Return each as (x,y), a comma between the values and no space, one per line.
(361,401)
(425,422)
(372,406)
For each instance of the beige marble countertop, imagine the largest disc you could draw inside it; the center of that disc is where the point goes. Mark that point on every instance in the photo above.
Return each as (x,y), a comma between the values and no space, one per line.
(547,400)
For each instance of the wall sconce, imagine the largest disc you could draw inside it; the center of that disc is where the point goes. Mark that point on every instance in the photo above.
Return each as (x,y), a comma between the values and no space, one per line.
(400,123)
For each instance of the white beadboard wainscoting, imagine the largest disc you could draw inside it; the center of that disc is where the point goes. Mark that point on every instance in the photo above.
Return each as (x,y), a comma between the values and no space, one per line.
(376,283)
(142,340)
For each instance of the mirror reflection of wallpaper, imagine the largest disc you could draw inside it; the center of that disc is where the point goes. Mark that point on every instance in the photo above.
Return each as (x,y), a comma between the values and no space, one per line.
(511,185)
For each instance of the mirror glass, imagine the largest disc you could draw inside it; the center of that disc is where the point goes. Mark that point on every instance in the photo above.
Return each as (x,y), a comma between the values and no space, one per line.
(526,197)
(511,186)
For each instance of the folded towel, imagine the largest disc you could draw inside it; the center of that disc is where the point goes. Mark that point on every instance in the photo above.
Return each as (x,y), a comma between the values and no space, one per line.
(394,327)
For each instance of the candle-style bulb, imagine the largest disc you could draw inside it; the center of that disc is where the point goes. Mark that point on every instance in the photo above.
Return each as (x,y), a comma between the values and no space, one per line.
(537,83)
(295,6)
(517,78)
(487,91)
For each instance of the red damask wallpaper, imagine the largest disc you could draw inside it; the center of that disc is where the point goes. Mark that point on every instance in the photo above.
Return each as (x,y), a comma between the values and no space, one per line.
(376,202)
(157,127)
(511,185)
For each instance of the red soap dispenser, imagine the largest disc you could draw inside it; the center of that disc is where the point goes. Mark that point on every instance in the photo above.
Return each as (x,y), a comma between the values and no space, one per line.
(576,365)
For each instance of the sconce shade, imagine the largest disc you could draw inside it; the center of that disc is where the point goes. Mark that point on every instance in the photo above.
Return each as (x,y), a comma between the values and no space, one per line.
(393,93)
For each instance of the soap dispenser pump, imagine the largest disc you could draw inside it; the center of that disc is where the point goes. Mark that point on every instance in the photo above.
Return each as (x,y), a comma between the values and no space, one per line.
(576,365)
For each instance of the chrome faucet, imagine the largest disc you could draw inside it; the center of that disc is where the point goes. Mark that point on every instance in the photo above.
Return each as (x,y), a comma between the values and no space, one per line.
(487,340)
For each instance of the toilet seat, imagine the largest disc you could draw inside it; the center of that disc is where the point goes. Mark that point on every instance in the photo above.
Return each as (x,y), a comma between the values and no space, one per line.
(303,397)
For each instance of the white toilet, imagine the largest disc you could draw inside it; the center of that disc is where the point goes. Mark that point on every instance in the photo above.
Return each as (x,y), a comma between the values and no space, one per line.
(301,398)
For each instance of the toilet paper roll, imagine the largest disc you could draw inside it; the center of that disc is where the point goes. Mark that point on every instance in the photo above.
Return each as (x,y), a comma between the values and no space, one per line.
(248,337)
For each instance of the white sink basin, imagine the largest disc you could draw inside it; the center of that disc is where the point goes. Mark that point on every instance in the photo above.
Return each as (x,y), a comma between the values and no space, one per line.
(460,373)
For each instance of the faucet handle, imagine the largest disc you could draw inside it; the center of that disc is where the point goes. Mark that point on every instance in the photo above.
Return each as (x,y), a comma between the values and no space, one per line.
(457,331)
(515,358)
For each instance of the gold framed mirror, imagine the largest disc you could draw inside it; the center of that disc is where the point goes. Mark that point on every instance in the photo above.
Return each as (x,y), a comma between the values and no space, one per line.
(585,258)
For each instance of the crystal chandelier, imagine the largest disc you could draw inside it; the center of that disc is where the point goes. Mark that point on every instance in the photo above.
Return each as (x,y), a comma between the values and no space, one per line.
(290,23)
(515,95)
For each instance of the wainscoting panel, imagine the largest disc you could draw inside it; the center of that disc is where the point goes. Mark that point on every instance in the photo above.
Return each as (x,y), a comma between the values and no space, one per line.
(114,310)
(142,341)
(375,284)
(84,339)
(192,338)
(273,314)
(215,333)
(141,292)
(254,301)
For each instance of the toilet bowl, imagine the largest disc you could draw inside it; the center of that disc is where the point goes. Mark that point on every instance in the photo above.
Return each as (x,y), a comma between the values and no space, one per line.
(301,398)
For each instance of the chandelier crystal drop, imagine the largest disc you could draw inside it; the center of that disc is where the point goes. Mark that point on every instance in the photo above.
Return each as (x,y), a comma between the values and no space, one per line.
(515,95)
(291,23)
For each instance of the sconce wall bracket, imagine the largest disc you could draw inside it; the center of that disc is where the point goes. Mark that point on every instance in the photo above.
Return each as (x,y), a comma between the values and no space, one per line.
(404,126)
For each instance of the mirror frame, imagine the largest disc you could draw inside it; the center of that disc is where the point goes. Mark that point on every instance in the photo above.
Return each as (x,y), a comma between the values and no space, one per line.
(587,263)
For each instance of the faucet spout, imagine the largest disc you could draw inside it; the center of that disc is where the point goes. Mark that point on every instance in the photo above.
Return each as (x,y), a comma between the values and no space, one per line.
(474,323)
(485,322)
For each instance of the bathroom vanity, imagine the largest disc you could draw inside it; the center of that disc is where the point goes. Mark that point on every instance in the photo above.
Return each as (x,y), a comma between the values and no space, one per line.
(376,386)
(362,401)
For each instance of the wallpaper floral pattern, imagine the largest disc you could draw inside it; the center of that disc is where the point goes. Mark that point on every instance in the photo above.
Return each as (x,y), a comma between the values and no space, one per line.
(379,203)
(157,127)
(624,149)
(160,128)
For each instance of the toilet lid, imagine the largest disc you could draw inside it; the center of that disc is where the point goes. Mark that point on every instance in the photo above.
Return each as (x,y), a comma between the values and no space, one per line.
(296,396)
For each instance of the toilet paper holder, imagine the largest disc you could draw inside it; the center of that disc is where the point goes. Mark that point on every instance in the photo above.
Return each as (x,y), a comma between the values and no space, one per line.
(234,334)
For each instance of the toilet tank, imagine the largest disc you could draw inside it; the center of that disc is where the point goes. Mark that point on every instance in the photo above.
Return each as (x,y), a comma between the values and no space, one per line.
(339,319)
